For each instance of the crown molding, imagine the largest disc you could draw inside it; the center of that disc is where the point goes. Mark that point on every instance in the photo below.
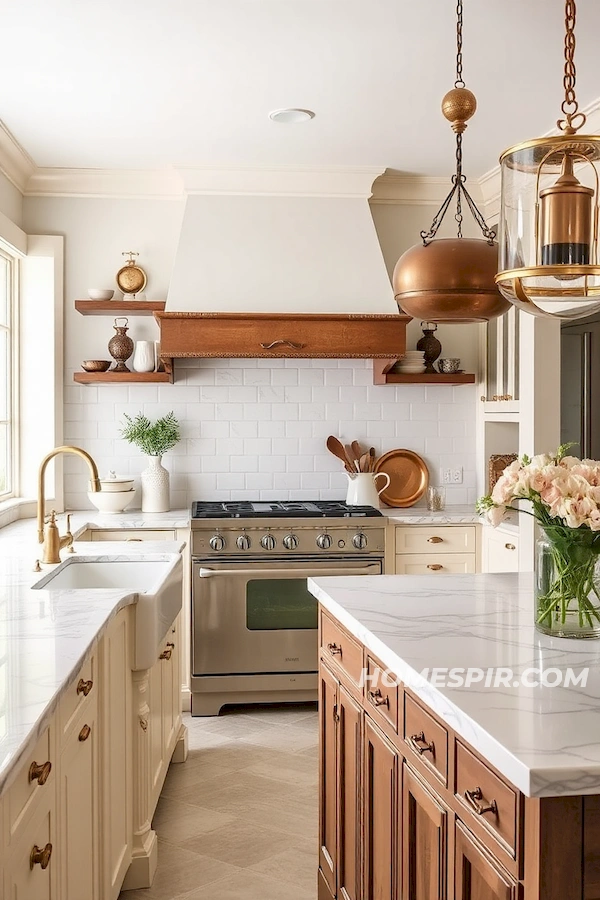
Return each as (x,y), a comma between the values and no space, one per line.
(110,183)
(287,182)
(410,190)
(15,162)
(490,182)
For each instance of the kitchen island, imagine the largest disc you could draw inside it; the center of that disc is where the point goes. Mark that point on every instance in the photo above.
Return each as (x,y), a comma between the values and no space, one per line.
(477,791)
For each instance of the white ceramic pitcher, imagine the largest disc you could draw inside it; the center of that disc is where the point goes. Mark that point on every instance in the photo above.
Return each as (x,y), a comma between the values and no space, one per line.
(362,489)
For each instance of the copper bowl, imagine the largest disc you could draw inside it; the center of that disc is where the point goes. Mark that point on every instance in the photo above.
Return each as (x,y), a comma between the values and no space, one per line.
(95,365)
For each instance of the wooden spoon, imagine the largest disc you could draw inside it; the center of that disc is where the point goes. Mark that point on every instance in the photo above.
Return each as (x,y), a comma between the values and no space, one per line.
(363,462)
(371,459)
(356,449)
(351,457)
(337,448)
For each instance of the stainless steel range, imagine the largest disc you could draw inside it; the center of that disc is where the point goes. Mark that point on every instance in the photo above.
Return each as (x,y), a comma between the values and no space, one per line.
(254,622)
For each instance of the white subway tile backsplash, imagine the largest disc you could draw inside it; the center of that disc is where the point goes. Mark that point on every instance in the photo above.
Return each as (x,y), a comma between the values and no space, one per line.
(257,428)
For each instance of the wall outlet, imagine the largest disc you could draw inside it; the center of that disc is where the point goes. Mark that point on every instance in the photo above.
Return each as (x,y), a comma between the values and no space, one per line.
(452,476)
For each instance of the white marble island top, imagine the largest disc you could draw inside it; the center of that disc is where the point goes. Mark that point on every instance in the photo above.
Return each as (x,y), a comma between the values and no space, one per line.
(545,740)
(46,634)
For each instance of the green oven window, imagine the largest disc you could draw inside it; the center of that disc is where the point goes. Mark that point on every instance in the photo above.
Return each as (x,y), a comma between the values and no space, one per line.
(274,604)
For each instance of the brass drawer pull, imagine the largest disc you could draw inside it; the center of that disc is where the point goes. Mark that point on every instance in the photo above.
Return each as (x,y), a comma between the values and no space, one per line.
(435,567)
(510,546)
(377,699)
(292,344)
(40,857)
(39,772)
(420,743)
(134,540)
(435,540)
(84,733)
(334,649)
(144,724)
(84,687)
(169,644)
(473,798)
(166,654)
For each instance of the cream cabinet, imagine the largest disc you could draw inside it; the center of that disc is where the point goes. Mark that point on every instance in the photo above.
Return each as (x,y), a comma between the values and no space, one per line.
(500,550)
(431,549)
(165,709)
(128,535)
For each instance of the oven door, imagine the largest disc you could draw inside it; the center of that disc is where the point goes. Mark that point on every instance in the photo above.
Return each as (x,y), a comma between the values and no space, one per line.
(259,617)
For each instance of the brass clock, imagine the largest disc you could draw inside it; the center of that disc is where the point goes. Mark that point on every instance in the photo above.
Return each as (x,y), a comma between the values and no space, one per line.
(131,278)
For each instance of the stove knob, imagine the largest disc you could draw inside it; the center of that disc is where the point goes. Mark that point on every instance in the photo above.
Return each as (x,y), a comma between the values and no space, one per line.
(268,542)
(324,541)
(290,541)
(360,541)
(243,542)
(217,542)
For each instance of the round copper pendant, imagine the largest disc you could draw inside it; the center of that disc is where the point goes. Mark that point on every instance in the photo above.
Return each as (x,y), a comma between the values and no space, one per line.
(451,280)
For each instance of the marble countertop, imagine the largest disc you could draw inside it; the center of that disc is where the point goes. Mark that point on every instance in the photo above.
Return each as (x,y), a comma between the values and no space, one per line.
(420,515)
(45,635)
(545,740)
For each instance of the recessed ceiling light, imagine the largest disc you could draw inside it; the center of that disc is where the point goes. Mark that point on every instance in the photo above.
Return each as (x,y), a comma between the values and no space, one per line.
(291,116)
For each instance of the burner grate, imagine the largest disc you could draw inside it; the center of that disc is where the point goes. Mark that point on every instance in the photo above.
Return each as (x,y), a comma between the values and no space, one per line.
(238,509)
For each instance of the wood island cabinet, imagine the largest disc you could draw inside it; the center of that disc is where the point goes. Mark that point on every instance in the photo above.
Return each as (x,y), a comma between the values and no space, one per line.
(410,811)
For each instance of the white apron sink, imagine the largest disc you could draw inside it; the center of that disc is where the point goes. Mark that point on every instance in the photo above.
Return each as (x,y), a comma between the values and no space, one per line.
(157,583)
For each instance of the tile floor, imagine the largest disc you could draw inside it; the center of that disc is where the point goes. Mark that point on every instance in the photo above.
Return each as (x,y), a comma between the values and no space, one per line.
(238,820)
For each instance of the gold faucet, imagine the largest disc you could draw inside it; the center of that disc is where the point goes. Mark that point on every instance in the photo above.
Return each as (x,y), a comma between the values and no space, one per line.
(50,537)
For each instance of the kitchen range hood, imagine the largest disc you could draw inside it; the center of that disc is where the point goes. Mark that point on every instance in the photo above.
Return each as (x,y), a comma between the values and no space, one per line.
(286,271)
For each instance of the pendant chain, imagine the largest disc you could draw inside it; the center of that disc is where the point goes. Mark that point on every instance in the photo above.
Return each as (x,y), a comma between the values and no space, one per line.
(569,106)
(459,61)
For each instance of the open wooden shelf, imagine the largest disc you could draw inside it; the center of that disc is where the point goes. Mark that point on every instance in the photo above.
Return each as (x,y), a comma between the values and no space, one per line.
(383,375)
(119,307)
(123,377)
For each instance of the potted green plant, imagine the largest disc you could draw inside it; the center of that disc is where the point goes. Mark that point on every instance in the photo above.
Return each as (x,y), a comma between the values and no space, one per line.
(153,439)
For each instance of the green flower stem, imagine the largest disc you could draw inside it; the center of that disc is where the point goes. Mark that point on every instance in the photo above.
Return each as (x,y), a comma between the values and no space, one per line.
(574,563)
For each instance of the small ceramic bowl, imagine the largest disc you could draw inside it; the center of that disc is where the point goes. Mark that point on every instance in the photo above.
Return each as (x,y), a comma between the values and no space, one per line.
(111,502)
(99,294)
(448,366)
(96,365)
(116,485)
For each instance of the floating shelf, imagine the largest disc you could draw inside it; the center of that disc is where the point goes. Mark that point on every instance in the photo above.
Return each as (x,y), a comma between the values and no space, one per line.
(123,377)
(383,375)
(119,307)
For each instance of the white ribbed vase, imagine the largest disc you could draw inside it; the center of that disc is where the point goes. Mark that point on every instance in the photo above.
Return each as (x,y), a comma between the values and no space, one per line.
(155,486)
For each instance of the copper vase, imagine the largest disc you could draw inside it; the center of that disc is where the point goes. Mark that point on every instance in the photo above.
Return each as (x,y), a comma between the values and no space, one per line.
(430,346)
(120,345)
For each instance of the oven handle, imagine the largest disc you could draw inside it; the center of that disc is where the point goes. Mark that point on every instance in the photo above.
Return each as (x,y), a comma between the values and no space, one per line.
(369,569)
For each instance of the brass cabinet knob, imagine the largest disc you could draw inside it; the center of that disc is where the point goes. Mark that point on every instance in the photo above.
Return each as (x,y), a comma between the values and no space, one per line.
(40,857)
(510,546)
(144,724)
(377,698)
(435,540)
(334,649)
(435,567)
(473,798)
(166,654)
(84,687)
(39,772)
(84,733)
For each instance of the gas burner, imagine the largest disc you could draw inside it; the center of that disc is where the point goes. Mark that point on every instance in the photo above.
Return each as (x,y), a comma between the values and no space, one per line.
(242,509)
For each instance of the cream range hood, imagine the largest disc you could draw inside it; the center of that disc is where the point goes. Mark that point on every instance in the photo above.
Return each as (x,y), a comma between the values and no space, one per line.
(266,273)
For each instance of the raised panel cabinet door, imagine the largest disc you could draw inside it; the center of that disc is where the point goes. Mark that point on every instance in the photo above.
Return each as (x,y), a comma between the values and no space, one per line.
(117,755)
(22,880)
(380,815)
(477,876)
(348,840)
(79,812)
(424,841)
(328,777)
(155,729)
(170,685)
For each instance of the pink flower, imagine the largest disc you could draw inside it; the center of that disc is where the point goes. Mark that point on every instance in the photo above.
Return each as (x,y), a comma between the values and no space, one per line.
(495,515)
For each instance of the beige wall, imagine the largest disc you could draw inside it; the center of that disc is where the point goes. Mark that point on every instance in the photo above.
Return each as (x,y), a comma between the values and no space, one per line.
(11,201)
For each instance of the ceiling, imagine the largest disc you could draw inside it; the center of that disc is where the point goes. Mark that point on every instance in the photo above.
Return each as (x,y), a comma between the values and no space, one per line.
(125,84)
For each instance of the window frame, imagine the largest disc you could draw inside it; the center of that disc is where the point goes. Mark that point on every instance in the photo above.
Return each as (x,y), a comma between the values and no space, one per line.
(12,329)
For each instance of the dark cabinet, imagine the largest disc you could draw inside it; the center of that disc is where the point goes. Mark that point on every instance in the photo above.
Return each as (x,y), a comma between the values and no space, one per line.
(478,877)
(380,815)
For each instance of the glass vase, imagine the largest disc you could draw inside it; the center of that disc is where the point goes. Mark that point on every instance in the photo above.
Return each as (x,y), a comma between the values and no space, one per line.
(567,584)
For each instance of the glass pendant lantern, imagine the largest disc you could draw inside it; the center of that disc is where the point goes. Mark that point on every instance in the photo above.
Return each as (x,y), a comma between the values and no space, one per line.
(452,280)
(548,237)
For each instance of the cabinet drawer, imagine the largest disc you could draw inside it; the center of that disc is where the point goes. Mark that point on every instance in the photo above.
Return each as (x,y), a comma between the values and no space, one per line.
(75,697)
(445,539)
(130,535)
(500,552)
(37,843)
(426,738)
(341,650)
(29,783)
(382,695)
(478,789)
(435,564)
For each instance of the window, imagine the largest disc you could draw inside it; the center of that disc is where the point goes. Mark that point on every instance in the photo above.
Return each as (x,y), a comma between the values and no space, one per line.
(8,373)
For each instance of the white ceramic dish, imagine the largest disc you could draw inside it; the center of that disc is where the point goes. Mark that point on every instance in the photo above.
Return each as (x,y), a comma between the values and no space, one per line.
(98,294)
(114,484)
(111,502)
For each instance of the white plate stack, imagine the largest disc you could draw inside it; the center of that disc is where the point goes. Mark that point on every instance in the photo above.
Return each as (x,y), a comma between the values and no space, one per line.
(411,363)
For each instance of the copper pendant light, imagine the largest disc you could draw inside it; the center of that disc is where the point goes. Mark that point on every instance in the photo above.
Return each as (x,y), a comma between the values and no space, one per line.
(549,263)
(451,280)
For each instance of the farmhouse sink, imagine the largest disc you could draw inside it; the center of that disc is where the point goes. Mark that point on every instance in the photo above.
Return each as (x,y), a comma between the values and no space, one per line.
(157,581)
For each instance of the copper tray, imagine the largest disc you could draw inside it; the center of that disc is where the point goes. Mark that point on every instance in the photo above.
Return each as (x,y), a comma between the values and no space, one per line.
(409,477)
